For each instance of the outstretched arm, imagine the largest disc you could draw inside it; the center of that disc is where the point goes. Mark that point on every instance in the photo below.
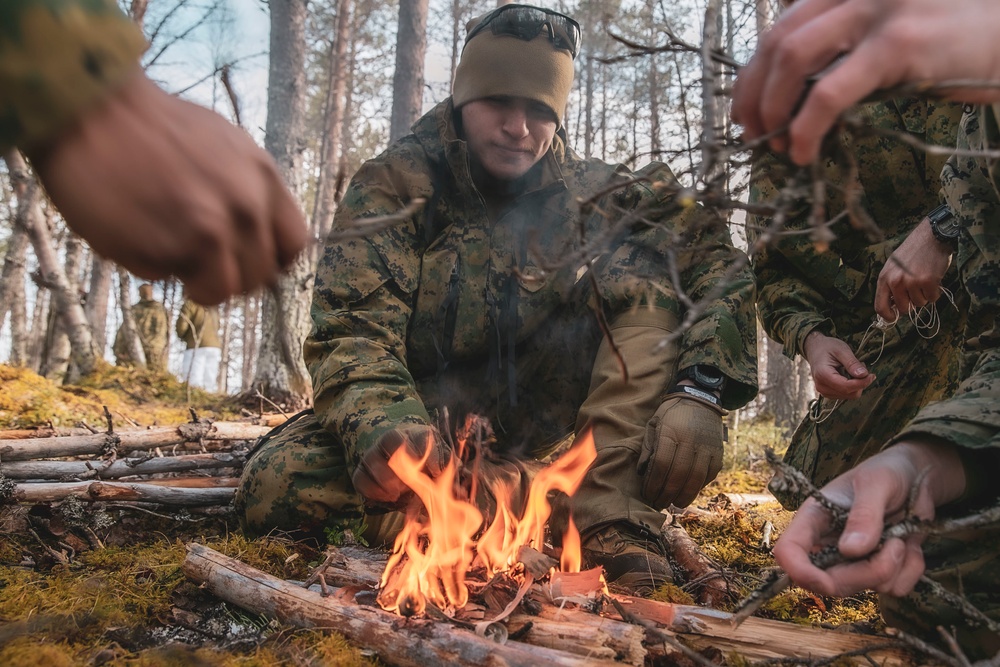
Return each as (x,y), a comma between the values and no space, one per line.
(852,48)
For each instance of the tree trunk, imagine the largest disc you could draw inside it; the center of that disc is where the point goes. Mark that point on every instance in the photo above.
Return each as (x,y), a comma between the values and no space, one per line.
(30,217)
(250,310)
(96,307)
(133,345)
(12,295)
(225,351)
(61,366)
(281,372)
(408,80)
(329,168)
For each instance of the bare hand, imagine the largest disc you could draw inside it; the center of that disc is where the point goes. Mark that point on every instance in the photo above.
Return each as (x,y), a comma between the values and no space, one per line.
(882,43)
(875,490)
(165,187)
(829,358)
(913,274)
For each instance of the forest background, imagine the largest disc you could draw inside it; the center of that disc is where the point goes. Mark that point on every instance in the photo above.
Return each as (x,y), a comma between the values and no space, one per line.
(324,85)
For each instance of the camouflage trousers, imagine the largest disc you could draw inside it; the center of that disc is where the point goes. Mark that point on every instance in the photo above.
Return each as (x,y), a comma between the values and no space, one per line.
(299,477)
(911,371)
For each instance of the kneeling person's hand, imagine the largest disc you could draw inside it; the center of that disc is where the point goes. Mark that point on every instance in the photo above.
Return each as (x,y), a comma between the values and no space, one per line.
(375,480)
(682,450)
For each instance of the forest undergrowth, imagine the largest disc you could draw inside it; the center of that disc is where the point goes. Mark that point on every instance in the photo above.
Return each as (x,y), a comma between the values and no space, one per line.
(80,586)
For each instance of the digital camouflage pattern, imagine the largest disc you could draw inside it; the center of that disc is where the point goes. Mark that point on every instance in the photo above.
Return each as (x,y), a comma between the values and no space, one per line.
(486,312)
(802,288)
(58,57)
(153,326)
(968,563)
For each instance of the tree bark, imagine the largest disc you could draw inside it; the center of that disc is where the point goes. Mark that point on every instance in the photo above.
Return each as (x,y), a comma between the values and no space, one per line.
(329,169)
(96,306)
(281,373)
(409,643)
(31,218)
(99,469)
(408,79)
(47,492)
(123,442)
(133,345)
(12,295)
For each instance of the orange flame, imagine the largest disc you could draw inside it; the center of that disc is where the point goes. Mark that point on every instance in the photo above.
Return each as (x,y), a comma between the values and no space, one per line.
(438,545)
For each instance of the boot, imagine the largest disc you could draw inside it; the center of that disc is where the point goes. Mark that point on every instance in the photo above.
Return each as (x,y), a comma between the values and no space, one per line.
(633,559)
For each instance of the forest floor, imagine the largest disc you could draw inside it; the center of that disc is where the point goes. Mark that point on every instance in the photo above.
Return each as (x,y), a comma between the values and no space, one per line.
(122,599)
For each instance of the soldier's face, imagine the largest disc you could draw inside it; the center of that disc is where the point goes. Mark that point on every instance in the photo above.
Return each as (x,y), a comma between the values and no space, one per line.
(508,135)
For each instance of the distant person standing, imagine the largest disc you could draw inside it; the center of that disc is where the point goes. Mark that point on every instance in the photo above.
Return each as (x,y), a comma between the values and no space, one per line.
(198,327)
(151,324)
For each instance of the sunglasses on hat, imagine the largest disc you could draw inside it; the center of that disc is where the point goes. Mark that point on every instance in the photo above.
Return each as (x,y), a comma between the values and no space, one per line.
(525,22)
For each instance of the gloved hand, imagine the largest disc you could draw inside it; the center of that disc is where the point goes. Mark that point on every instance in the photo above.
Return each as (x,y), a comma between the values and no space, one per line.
(373,478)
(681,451)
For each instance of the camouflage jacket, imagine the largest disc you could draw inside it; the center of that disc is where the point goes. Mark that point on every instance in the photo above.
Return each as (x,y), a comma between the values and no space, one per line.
(800,287)
(970,185)
(389,308)
(152,324)
(198,326)
(57,57)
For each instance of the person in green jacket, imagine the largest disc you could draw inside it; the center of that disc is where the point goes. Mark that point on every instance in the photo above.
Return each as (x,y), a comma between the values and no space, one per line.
(524,283)
(159,185)
(818,300)
(152,325)
(942,464)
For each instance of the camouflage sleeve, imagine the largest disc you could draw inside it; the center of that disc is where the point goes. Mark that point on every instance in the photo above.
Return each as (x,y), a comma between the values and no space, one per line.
(183,326)
(788,305)
(58,57)
(715,273)
(699,247)
(362,302)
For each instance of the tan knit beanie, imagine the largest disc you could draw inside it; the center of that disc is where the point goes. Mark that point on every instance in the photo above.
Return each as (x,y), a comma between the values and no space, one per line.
(494,65)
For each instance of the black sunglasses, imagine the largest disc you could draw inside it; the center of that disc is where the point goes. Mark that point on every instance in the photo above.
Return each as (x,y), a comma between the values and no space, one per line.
(525,22)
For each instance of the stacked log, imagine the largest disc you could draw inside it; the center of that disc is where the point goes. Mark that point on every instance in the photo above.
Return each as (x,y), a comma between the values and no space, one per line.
(196,464)
(627,631)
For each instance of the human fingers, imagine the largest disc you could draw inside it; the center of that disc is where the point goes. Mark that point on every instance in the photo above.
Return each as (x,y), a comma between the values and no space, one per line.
(860,72)
(910,569)
(747,98)
(833,385)
(806,533)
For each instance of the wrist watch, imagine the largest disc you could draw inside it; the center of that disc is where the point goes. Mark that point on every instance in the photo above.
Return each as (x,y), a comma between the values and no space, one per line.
(706,377)
(945,226)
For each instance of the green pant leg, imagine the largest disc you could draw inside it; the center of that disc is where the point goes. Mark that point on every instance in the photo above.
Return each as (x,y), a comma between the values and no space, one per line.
(297,481)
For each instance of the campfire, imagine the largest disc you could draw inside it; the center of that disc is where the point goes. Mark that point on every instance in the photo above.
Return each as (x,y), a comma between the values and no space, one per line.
(447,545)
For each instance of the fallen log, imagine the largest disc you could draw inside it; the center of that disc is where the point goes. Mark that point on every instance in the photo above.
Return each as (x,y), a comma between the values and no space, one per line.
(710,585)
(123,442)
(207,482)
(699,627)
(46,492)
(42,432)
(96,469)
(408,642)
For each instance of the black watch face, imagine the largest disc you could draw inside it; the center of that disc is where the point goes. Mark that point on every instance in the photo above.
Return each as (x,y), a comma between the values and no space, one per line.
(708,377)
(949,228)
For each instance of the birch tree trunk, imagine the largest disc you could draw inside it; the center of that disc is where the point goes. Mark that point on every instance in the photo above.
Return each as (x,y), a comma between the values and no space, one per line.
(408,80)
(133,345)
(12,296)
(70,312)
(281,373)
(222,382)
(330,174)
(96,307)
